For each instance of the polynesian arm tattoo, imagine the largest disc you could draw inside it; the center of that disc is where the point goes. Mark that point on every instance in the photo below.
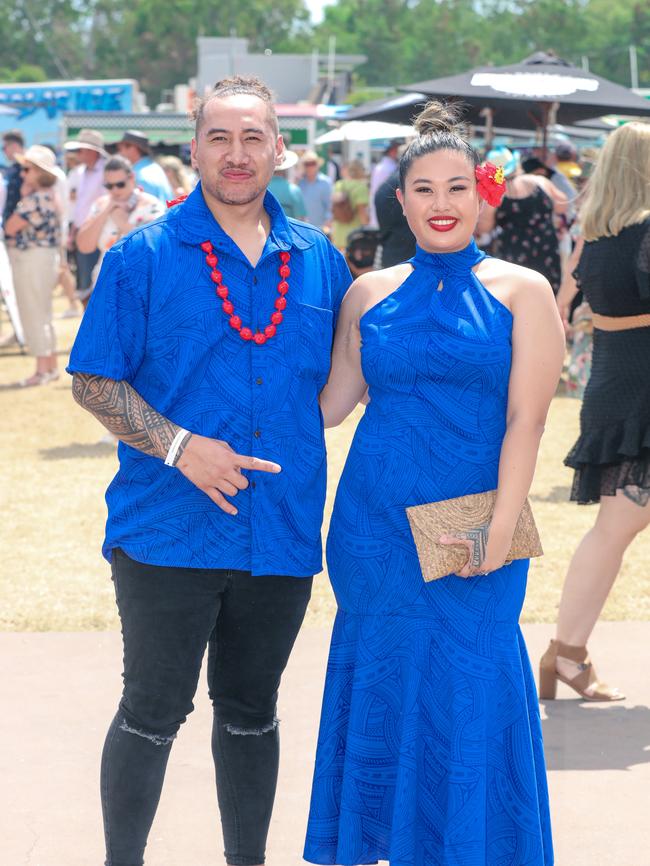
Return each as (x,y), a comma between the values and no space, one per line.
(124,413)
(479,539)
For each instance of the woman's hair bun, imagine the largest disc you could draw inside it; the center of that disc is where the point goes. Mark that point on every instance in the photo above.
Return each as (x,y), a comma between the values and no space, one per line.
(439,117)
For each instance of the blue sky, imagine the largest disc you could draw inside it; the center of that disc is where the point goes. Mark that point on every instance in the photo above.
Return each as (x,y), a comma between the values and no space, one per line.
(316,8)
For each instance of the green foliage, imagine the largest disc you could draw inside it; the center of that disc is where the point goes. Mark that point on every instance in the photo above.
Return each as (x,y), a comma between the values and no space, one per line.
(363,94)
(414,40)
(24,72)
(154,41)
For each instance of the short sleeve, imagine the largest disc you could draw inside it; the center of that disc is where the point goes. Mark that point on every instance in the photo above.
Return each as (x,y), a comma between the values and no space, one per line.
(341,278)
(575,273)
(643,265)
(112,336)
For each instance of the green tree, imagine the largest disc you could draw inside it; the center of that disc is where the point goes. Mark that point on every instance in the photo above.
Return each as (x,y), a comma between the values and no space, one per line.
(612,28)
(380,29)
(44,34)
(155,42)
(26,72)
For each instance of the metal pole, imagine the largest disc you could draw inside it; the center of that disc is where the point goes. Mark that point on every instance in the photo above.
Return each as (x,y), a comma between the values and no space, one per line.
(585,63)
(314,67)
(488,115)
(546,107)
(634,68)
(331,56)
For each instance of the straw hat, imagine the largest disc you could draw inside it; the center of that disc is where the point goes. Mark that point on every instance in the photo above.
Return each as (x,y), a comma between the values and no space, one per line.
(88,139)
(41,157)
(311,156)
(289,159)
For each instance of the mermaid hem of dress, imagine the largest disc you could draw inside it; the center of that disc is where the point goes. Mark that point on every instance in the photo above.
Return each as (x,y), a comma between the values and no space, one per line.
(428,752)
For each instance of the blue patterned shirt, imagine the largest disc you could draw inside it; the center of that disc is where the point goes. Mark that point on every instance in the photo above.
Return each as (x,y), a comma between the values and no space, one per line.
(154,321)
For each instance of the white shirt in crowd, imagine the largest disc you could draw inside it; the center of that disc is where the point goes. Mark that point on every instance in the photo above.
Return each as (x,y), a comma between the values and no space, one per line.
(89,185)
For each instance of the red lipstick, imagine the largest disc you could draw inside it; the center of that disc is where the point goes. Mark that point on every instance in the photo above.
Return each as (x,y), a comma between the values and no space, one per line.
(443,223)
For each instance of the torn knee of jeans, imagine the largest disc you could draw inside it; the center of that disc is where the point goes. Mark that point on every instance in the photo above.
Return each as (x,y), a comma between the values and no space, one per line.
(241,731)
(156,739)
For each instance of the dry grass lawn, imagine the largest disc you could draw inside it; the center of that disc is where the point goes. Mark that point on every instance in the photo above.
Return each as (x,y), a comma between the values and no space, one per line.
(55,470)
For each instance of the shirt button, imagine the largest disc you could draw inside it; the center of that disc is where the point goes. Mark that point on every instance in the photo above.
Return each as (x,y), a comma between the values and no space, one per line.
(259,380)
(257,434)
(254,281)
(253,485)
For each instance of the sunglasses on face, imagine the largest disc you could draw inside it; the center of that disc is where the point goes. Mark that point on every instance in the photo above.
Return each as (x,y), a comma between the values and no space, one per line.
(119,184)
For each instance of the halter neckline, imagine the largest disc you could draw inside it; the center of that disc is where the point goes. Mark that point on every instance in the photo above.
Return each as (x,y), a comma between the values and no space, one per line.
(461,260)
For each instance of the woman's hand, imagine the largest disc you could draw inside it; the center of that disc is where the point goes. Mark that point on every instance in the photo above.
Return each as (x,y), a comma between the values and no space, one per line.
(486,551)
(120,217)
(564,299)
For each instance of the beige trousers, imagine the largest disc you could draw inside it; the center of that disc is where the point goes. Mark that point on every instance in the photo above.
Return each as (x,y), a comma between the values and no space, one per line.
(35,272)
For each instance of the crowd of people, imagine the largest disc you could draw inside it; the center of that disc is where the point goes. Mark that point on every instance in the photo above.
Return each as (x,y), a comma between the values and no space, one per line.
(58,224)
(435,289)
(77,212)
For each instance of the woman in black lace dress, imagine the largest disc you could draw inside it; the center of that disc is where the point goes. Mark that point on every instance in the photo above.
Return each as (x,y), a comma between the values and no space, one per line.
(611,458)
(522,227)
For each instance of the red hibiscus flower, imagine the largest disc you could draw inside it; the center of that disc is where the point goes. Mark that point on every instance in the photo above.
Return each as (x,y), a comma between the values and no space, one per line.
(491,183)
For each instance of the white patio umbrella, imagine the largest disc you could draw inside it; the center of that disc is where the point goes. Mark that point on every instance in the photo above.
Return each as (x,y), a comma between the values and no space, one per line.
(365,130)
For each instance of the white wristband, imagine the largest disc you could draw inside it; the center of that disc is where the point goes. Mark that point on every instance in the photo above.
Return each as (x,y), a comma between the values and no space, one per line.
(176,444)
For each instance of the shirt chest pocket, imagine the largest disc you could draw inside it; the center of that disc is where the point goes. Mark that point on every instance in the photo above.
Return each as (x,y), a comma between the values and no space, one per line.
(315,335)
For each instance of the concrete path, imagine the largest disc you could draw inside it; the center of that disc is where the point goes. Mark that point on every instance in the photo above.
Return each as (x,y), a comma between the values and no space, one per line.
(60,692)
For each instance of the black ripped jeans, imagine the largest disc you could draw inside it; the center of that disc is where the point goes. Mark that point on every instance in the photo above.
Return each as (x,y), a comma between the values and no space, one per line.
(168,617)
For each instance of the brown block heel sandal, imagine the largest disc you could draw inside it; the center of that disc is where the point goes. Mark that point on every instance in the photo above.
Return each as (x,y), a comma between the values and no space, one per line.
(585,683)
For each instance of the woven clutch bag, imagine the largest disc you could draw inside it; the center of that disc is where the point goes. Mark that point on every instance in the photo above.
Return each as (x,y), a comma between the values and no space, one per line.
(464,514)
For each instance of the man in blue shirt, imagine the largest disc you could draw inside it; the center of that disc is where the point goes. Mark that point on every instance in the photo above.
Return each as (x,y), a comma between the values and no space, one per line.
(150,176)
(204,348)
(316,189)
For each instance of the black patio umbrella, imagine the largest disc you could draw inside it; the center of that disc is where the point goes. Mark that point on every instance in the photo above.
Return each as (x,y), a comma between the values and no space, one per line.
(542,89)
(539,91)
(403,108)
(393,109)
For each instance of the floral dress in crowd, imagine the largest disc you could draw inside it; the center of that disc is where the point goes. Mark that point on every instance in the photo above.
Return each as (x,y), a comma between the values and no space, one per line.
(578,368)
(144,209)
(527,235)
(40,209)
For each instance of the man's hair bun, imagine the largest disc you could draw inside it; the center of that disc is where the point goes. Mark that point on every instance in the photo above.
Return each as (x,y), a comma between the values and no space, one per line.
(437,117)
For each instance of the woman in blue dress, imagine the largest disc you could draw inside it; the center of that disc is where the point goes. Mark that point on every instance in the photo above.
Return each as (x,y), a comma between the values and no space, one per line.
(430,748)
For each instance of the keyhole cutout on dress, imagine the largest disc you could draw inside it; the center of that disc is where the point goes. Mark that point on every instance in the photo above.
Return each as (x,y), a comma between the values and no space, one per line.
(440,286)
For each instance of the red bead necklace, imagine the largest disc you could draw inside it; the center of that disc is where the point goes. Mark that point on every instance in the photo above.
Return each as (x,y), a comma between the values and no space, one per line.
(259,337)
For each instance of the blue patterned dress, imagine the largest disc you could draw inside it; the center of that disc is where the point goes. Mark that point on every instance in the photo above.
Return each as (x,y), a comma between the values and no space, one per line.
(430,747)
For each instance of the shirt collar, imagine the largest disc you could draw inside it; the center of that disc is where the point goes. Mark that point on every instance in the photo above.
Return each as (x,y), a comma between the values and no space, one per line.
(98,166)
(196,224)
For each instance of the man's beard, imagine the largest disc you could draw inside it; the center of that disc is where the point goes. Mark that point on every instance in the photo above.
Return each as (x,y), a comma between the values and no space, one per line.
(244,197)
